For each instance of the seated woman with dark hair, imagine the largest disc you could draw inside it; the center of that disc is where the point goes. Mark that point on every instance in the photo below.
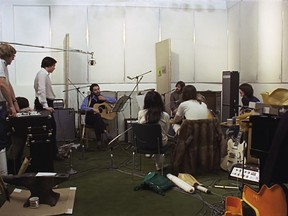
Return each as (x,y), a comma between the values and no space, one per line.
(247,93)
(154,112)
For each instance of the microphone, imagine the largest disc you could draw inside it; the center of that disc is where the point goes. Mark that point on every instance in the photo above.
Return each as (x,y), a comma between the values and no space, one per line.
(92,61)
(129,77)
(168,92)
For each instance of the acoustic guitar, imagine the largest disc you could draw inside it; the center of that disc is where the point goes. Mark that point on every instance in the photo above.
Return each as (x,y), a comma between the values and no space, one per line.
(235,153)
(106,110)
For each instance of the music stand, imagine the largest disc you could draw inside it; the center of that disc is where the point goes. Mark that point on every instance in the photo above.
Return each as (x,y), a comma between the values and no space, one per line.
(120,103)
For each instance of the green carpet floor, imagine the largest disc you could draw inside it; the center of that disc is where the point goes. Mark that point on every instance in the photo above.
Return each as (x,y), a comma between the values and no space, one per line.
(105,186)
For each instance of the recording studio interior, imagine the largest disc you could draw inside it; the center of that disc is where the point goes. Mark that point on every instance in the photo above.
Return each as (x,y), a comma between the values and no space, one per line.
(231,163)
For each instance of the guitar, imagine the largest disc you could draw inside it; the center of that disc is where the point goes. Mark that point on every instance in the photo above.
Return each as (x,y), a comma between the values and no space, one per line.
(106,110)
(268,201)
(234,153)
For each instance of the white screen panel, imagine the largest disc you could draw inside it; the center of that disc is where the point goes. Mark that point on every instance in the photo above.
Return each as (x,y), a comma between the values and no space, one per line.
(31,28)
(106,39)
(141,25)
(182,61)
(285,43)
(234,38)
(72,21)
(178,25)
(249,41)
(270,41)
(210,45)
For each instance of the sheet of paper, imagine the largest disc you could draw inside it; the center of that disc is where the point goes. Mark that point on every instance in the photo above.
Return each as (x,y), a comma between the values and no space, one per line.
(46,174)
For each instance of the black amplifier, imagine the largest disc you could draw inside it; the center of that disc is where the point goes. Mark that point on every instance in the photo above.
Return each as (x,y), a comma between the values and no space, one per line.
(37,128)
(25,122)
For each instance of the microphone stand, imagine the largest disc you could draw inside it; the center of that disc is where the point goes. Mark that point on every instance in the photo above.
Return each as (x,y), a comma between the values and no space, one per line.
(77,99)
(164,95)
(138,79)
(136,86)
(111,148)
(78,112)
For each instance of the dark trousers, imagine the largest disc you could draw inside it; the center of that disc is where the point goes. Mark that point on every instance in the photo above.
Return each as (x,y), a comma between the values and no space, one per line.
(95,121)
(4,127)
(38,106)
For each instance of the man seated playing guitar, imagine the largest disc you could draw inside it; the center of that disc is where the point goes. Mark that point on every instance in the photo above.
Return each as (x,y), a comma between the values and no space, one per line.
(93,105)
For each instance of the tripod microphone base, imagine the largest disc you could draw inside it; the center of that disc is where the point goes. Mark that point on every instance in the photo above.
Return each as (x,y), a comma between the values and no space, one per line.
(72,171)
(83,154)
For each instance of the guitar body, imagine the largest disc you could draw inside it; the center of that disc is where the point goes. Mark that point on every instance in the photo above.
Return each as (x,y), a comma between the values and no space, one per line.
(268,201)
(234,155)
(105,110)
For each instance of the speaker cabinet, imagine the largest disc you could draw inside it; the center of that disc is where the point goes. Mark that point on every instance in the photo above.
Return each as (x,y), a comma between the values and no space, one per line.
(129,134)
(230,94)
(65,124)
(213,99)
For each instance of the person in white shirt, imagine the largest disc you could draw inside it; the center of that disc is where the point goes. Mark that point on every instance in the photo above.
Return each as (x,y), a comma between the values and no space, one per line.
(154,112)
(43,86)
(8,102)
(45,95)
(192,108)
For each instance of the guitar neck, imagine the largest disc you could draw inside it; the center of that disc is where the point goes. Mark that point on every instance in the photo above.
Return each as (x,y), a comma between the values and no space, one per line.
(238,138)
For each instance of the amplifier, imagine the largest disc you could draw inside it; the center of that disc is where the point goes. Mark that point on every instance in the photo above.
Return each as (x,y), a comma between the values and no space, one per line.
(129,134)
(58,103)
(251,173)
(65,124)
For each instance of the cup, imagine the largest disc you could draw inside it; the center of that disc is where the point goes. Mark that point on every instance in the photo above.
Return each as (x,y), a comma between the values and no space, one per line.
(34,202)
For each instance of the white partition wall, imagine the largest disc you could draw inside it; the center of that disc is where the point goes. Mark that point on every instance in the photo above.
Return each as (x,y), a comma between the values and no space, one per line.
(141,34)
(32,26)
(285,43)
(72,22)
(270,41)
(178,26)
(233,16)
(106,39)
(210,45)
(249,41)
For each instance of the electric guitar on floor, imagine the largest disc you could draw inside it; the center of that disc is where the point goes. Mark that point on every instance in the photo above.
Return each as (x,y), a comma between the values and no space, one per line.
(106,110)
(235,153)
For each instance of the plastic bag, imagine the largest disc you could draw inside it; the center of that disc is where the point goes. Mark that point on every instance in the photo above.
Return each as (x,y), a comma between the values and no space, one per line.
(155,182)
